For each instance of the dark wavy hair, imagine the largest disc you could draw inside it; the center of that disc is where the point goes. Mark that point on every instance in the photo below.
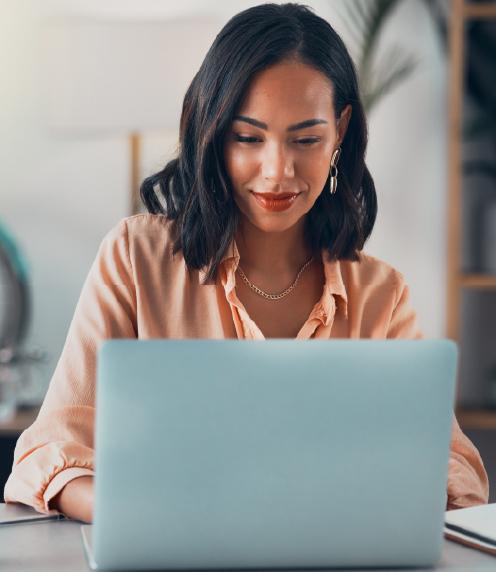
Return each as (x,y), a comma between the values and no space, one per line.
(194,189)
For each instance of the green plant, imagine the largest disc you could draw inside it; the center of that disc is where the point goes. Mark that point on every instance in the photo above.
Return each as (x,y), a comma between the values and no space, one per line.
(365,20)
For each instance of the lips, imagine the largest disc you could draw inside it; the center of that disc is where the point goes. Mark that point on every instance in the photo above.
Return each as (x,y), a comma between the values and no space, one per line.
(275,201)
(276,196)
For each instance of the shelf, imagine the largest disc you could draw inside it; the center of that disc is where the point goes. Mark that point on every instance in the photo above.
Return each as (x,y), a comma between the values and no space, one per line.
(476,418)
(482,10)
(487,281)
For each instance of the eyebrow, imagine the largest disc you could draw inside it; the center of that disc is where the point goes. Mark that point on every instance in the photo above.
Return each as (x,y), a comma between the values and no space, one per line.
(295,127)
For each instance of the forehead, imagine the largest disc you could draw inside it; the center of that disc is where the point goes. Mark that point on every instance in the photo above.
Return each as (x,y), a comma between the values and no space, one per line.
(288,90)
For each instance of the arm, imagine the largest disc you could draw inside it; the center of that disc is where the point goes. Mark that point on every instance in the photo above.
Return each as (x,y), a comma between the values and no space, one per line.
(75,500)
(58,447)
(468,484)
(467,478)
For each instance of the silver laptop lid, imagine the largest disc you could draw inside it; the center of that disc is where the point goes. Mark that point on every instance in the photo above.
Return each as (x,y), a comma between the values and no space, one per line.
(275,453)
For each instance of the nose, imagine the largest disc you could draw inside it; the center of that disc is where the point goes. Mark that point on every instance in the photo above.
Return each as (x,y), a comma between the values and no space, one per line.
(277,163)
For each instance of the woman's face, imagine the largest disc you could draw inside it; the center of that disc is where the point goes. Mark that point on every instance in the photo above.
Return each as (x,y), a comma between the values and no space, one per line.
(280,144)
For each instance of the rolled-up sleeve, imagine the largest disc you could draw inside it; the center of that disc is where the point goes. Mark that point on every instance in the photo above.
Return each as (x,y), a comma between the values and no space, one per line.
(468,484)
(58,446)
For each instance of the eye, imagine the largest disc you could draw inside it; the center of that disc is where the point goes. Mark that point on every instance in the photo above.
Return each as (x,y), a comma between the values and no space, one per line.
(308,141)
(243,139)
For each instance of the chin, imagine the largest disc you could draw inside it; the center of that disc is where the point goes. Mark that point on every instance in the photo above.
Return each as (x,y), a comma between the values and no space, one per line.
(279,223)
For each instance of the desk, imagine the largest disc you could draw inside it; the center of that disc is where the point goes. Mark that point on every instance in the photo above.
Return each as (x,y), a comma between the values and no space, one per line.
(56,545)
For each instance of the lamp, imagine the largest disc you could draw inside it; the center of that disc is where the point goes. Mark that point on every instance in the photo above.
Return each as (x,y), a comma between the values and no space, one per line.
(106,78)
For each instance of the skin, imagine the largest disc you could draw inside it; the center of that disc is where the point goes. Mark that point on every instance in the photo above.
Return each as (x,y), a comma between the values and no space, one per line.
(271,244)
(75,500)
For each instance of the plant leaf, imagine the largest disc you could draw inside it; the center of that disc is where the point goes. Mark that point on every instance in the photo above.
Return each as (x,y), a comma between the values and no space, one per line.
(366,19)
(394,68)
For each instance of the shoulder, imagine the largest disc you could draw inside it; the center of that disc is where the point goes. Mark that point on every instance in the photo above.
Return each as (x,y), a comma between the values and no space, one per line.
(374,268)
(141,239)
(379,298)
(373,274)
(141,225)
(141,229)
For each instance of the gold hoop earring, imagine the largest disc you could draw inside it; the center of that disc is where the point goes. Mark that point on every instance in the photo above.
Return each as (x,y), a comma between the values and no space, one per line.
(333,171)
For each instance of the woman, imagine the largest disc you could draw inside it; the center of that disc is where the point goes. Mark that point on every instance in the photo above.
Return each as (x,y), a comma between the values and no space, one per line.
(255,230)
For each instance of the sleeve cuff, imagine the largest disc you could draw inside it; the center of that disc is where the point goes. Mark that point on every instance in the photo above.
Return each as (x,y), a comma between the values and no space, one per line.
(60,480)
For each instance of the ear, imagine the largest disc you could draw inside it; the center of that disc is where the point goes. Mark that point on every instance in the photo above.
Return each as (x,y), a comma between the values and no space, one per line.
(342,124)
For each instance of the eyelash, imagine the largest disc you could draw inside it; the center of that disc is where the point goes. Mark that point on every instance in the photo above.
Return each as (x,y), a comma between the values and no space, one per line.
(304,142)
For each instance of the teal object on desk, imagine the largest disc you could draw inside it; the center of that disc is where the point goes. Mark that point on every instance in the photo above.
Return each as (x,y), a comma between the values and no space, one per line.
(15,300)
(276,453)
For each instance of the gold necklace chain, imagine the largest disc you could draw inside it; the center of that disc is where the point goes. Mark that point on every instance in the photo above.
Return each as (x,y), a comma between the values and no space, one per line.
(273,296)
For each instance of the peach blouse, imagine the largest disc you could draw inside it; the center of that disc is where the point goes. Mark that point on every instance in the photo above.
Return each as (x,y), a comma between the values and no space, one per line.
(136,287)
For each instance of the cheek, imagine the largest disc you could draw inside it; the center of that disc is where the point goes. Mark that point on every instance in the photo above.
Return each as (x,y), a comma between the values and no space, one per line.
(238,170)
(316,170)
(239,165)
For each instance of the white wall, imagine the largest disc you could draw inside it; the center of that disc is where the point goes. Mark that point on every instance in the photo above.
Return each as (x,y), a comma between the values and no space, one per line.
(59,195)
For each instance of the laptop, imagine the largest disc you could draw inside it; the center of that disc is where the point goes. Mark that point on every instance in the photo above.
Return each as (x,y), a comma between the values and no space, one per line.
(271,453)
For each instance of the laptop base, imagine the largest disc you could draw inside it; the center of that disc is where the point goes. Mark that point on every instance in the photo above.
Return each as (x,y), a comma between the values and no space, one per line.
(86,530)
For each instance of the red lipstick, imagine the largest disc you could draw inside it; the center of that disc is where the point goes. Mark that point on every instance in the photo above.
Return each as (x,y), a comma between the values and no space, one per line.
(275,202)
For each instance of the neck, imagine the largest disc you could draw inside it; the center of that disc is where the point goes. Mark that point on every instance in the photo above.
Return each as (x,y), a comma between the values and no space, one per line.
(272,253)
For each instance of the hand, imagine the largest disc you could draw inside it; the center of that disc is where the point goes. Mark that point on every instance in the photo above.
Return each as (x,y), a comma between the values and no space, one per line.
(75,500)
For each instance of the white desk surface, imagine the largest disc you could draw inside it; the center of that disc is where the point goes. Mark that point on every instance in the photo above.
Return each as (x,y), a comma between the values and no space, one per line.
(56,545)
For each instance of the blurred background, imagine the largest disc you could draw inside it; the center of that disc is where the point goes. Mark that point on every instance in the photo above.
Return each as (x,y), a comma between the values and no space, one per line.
(90,100)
